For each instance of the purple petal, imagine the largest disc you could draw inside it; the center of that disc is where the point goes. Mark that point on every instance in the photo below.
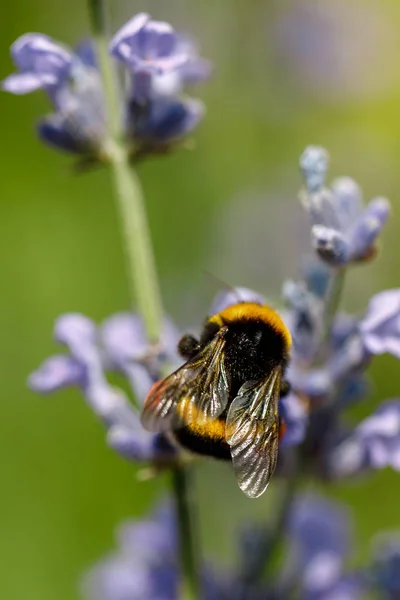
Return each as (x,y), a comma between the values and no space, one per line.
(117,579)
(169,119)
(120,45)
(76,331)
(151,539)
(322,572)
(368,227)
(195,71)
(230,296)
(55,373)
(384,422)
(375,443)
(321,208)
(381,308)
(380,328)
(39,53)
(86,51)
(348,201)
(318,526)
(136,445)
(24,83)
(124,338)
(53,132)
(109,403)
(140,379)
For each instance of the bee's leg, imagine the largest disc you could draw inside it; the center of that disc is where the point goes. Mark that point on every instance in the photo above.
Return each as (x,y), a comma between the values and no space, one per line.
(285,388)
(188,346)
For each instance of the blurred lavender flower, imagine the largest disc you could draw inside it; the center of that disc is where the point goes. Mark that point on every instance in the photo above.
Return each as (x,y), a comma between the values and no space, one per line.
(73,86)
(158,63)
(119,345)
(343,231)
(319,543)
(146,567)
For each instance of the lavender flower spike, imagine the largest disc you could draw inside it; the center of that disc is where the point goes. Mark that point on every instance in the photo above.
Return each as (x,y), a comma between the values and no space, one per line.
(319,536)
(85,368)
(343,231)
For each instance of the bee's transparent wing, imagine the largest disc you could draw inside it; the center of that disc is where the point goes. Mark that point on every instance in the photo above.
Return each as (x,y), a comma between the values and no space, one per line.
(252,432)
(197,391)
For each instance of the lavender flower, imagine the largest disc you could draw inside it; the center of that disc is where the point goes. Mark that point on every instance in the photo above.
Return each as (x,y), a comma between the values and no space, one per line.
(319,542)
(145,567)
(343,231)
(154,116)
(119,345)
(73,86)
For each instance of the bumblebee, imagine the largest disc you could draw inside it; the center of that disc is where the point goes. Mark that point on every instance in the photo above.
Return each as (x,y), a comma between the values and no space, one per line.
(223,402)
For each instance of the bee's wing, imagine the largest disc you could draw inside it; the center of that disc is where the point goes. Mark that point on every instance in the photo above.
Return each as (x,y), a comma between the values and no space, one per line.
(197,391)
(252,432)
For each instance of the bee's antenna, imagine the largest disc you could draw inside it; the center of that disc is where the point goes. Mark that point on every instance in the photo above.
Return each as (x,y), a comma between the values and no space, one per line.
(222,284)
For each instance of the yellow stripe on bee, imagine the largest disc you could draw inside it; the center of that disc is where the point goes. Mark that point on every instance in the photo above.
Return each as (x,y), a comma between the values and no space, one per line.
(252,311)
(198,423)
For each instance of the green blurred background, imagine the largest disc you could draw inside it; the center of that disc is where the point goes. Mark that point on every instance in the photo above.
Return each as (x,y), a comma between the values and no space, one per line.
(286,75)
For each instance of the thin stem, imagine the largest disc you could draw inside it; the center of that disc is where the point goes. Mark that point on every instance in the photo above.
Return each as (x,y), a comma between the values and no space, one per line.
(189,558)
(131,207)
(332,300)
(138,248)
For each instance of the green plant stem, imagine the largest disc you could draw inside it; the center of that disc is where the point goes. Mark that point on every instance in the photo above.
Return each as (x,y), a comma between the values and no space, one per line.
(190,562)
(131,207)
(138,248)
(141,273)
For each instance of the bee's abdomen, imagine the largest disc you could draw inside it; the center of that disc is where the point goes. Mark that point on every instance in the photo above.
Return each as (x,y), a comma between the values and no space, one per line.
(207,440)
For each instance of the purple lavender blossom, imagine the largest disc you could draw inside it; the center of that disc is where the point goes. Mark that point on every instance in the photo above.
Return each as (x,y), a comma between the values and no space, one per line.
(343,231)
(155,117)
(120,344)
(145,566)
(319,543)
